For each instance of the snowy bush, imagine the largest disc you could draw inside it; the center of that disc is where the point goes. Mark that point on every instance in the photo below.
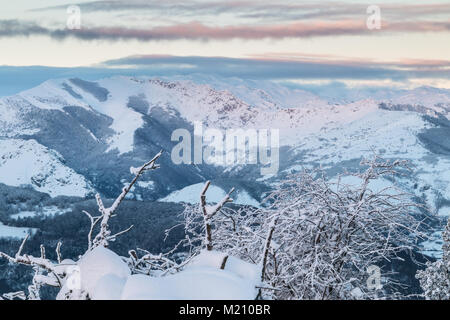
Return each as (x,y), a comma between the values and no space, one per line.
(327,234)
(435,279)
(316,239)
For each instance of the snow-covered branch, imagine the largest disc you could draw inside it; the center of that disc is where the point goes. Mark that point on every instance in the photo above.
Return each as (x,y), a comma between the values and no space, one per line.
(104,235)
(46,273)
(209,212)
(60,273)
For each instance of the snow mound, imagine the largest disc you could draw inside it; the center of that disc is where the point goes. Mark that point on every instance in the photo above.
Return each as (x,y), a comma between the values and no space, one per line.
(96,265)
(215,259)
(194,284)
(201,280)
(105,276)
(109,287)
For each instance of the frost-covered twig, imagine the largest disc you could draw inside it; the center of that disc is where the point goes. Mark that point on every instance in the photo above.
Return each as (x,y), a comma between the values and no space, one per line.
(55,274)
(210,212)
(46,272)
(15,295)
(104,235)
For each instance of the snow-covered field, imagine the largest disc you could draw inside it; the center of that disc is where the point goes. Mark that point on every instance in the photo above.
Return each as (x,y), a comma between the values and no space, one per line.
(45,211)
(15,232)
(191,193)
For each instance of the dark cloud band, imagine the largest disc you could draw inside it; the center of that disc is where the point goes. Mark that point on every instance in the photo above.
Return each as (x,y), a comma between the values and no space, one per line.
(324,69)
(15,79)
(199,31)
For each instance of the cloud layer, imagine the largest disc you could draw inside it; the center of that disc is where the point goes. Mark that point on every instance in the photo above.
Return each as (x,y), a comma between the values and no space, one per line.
(411,34)
(200,31)
(333,71)
(278,10)
(292,68)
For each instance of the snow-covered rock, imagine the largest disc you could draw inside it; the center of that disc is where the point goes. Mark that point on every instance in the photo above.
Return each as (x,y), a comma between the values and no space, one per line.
(202,279)
(108,287)
(214,259)
(103,275)
(97,264)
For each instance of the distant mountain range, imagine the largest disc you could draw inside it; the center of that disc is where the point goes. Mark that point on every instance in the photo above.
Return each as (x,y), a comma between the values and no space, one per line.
(74,137)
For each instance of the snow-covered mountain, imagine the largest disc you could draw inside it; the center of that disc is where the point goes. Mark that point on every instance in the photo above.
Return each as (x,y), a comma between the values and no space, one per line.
(125,101)
(26,162)
(74,137)
(98,129)
(428,97)
(71,136)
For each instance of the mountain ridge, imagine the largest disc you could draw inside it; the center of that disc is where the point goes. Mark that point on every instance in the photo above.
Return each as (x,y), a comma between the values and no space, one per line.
(102,128)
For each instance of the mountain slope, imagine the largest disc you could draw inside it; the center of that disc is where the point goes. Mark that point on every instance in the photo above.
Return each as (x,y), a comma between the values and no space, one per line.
(99,129)
(25,162)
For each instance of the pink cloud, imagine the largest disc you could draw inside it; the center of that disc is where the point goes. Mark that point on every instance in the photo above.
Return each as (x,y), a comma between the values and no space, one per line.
(199,31)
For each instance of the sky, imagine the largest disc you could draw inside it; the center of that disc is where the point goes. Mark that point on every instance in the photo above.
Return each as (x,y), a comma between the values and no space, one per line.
(297,42)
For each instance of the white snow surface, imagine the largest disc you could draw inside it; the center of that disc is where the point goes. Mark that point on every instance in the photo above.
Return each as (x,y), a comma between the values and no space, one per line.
(432,247)
(218,104)
(105,276)
(15,232)
(50,95)
(44,211)
(26,162)
(327,132)
(191,194)
(423,96)
(193,284)
(257,93)
(97,264)
(202,279)
(444,211)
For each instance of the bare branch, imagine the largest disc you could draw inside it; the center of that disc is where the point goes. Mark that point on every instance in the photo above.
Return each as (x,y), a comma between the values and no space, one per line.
(210,212)
(101,239)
